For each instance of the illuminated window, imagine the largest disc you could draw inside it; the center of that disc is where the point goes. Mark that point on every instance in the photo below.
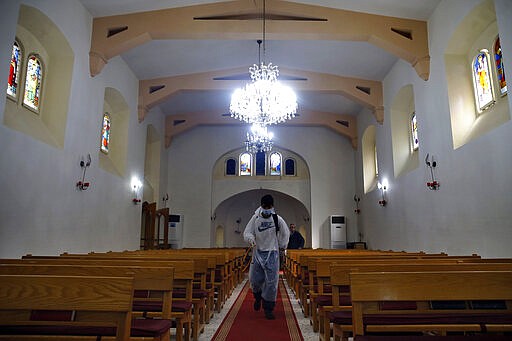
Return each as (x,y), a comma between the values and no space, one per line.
(414,132)
(105,133)
(14,71)
(33,83)
(245,164)
(482,81)
(500,70)
(275,164)
(375,160)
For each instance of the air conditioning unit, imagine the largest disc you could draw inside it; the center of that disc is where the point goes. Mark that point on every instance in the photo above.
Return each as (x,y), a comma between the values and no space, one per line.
(338,232)
(175,226)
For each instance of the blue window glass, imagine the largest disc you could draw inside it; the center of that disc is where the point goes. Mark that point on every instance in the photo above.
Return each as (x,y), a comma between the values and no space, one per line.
(231,167)
(260,163)
(289,166)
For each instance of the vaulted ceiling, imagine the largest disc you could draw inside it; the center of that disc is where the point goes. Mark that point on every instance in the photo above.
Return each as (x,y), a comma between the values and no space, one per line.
(189,55)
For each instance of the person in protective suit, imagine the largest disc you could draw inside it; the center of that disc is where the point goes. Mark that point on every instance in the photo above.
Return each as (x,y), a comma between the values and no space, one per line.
(267,233)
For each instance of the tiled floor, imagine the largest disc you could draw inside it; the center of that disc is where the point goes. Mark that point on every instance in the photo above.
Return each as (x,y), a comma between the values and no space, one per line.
(305,327)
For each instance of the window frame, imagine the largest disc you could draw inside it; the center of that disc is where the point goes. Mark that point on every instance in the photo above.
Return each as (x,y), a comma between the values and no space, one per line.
(105,114)
(270,163)
(413,122)
(20,75)
(43,74)
(250,164)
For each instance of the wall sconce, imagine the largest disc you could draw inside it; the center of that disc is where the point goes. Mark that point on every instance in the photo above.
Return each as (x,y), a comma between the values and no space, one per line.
(357,200)
(136,186)
(433,184)
(81,184)
(383,188)
(306,218)
(165,199)
(237,229)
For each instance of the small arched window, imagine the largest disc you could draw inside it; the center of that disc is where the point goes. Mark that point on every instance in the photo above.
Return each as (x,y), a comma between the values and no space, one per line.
(245,164)
(415,142)
(105,133)
(500,70)
(13,84)
(260,163)
(289,167)
(482,80)
(231,167)
(33,82)
(275,164)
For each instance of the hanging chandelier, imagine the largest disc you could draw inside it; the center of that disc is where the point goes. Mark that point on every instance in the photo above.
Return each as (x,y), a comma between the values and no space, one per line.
(259,139)
(265,100)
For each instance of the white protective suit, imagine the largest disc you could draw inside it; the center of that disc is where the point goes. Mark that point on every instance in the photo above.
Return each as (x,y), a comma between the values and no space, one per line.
(264,270)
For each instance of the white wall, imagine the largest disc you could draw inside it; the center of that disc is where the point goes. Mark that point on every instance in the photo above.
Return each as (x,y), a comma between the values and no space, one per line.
(41,211)
(192,155)
(470,213)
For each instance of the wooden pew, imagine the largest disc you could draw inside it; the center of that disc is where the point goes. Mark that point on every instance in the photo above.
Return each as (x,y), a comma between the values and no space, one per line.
(102,305)
(183,279)
(159,281)
(340,278)
(319,273)
(370,289)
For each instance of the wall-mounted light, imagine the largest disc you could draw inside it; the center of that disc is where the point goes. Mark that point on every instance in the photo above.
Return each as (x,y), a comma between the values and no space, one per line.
(433,184)
(136,187)
(383,187)
(357,200)
(238,221)
(165,199)
(82,185)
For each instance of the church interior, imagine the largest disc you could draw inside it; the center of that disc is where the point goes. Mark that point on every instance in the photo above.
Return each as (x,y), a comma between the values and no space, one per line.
(121,132)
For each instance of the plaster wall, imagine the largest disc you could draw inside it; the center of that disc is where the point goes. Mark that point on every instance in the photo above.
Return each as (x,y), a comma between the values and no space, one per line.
(470,213)
(41,211)
(192,156)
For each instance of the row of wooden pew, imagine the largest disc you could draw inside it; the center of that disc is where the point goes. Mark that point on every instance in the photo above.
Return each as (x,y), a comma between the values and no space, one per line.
(360,292)
(123,295)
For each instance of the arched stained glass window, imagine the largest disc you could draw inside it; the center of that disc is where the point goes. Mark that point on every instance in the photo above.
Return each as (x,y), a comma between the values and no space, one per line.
(482,81)
(375,160)
(245,164)
(14,71)
(414,133)
(260,163)
(289,167)
(231,167)
(275,164)
(105,133)
(33,83)
(500,70)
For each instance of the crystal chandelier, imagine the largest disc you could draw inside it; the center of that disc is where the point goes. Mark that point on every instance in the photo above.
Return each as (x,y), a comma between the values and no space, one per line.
(264,101)
(259,139)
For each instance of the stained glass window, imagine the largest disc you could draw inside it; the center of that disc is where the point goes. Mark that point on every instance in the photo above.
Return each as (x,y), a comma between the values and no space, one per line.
(500,70)
(482,80)
(275,164)
(245,164)
(375,160)
(414,132)
(33,83)
(105,133)
(260,163)
(231,167)
(14,71)
(289,166)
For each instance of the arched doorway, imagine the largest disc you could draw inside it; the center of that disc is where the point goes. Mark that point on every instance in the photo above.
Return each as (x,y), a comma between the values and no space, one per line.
(235,212)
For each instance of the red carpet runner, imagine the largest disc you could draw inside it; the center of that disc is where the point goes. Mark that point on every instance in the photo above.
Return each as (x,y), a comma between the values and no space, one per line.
(243,323)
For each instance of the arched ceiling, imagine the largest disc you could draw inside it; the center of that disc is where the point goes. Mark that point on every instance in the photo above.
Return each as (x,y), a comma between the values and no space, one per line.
(200,50)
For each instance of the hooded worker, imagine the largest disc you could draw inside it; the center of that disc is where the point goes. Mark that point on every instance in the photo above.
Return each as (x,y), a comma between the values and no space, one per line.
(267,233)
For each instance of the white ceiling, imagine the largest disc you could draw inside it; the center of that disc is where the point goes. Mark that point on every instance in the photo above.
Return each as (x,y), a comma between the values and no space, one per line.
(160,58)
